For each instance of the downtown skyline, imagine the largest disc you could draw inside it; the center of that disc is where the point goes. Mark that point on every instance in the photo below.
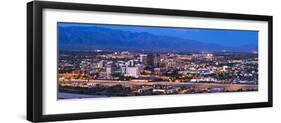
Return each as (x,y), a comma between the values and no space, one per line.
(99,61)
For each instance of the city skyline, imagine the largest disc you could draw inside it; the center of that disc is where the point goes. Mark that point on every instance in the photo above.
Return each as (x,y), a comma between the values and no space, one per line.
(100,61)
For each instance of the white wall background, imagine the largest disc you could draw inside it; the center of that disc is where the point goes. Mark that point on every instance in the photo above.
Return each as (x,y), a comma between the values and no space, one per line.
(13,60)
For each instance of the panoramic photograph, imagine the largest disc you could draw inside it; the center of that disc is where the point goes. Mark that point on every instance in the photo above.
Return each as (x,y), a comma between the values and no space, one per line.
(106,60)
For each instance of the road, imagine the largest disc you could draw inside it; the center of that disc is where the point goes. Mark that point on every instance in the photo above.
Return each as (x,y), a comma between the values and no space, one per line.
(229,87)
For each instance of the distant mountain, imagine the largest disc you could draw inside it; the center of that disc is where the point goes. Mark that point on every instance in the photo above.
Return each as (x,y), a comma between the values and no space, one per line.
(248,47)
(90,37)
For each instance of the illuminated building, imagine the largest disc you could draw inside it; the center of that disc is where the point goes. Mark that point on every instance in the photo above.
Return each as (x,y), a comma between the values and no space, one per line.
(153,60)
(132,71)
(108,72)
(143,59)
(206,56)
(100,64)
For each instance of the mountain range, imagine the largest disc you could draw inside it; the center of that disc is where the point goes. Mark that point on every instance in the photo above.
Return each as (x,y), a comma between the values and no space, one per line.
(92,37)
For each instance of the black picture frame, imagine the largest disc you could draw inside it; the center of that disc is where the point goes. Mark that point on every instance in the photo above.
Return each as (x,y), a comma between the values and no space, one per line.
(35,69)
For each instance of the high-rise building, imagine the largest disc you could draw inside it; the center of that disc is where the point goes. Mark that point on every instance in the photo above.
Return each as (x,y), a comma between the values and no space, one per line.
(153,60)
(123,69)
(108,72)
(131,63)
(156,60)
(150,60)
(100,64)
(143,59)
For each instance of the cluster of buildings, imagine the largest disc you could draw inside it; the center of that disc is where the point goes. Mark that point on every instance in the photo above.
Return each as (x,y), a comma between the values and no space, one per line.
(133,67)
(137,70)
(192,67)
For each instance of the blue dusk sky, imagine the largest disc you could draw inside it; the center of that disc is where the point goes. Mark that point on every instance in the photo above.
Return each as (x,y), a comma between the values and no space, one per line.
(228,38)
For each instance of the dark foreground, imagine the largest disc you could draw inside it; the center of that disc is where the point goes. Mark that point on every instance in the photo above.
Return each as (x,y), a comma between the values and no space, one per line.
(101,89)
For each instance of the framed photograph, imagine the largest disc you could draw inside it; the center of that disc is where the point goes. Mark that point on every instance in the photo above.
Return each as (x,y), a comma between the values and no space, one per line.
(96,61)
